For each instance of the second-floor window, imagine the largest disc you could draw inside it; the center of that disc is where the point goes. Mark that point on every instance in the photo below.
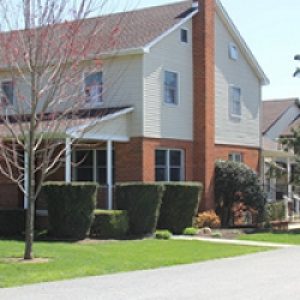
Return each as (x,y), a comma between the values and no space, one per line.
(93,87)
(7,95)
(171,87)
(235,101)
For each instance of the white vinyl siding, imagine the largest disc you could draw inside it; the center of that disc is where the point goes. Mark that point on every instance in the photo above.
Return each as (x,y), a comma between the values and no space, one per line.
(161,120)
(245,130)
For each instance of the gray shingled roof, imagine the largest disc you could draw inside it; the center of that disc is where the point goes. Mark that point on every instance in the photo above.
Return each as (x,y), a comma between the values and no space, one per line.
(273,110)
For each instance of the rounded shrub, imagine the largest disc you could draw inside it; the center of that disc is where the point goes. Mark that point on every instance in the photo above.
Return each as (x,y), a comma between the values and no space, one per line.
(179,206)
(190,231)
(142,202)
(110,224)
(163,234)
(70,208)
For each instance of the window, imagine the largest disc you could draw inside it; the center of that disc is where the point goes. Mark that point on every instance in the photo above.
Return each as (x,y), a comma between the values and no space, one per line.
(93,87)
(7,88)
(233,51)
(237,157)
(184,36)
(171,87)
(235,101)
(91,166)
(169,165)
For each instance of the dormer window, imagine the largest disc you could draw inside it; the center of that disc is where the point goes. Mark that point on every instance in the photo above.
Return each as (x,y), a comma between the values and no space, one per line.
(184,36)
(93,87)
(233,51)
(7,92)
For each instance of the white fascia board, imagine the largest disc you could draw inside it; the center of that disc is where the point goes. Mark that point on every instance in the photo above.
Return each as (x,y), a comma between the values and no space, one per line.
(148,47)
(222,13)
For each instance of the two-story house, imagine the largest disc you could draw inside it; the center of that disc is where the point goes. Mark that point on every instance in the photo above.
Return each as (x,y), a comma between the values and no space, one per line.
(186,91)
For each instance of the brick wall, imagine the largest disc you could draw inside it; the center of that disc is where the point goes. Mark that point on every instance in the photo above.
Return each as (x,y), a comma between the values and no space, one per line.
(204,98)
(250,155)
(135,161)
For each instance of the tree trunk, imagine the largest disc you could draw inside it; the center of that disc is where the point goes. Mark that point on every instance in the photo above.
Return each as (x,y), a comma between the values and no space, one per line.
(30,215)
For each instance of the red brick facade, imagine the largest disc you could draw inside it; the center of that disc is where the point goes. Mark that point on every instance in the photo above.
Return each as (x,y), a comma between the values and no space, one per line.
(250,155)
(204,98)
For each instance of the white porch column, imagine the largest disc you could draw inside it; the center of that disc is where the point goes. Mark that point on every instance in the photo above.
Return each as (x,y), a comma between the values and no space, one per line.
(289,176)
(26,179)
(68,163)
(109,173)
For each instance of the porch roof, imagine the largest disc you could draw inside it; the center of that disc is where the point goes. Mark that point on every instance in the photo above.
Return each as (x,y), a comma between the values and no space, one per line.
(95,124)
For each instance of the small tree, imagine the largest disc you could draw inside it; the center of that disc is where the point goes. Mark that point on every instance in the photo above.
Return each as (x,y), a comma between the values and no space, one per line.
(47,46)
(235,182)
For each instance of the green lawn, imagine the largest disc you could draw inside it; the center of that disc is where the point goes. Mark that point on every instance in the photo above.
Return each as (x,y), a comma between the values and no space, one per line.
(70,260)
(283,238)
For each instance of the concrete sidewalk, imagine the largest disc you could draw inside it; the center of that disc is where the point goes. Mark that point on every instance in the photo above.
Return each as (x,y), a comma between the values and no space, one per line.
(233,242)
(262,276)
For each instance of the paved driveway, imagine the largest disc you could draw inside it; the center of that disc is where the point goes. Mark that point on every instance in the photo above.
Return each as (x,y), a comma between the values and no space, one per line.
(270,275)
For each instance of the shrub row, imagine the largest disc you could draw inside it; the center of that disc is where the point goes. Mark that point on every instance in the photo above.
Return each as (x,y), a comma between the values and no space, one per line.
(12,222)
(274,212)
(170,206)
(71,208)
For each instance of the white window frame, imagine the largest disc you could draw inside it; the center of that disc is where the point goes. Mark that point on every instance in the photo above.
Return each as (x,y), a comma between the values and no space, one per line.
(168,165)
(236,157)
(231,100)
(93,103)
(178,88)
(8,80)
(233,51)
(187,36)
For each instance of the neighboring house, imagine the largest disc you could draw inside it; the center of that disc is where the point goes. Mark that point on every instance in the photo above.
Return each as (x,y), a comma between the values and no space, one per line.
(279,117)
(186,91)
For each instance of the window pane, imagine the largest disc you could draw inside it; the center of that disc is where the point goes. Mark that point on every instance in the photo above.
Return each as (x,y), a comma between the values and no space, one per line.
(184,35)
(161,174)
(101,158)
(102,175)
(175,158)
(236,101)
(171,87)
(84,158)
(160,157)
(84,174)
(8,91)
(93,87)
(175,174)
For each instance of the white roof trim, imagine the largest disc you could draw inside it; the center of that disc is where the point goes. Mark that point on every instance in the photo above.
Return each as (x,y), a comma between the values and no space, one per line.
(74,130)
(169,31)
(241,42)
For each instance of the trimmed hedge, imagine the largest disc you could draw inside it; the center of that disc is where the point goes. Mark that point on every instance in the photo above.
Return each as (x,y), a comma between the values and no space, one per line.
(142,202)
(70,207)
(12,222)
(163,234)
(179,206)
(110,224)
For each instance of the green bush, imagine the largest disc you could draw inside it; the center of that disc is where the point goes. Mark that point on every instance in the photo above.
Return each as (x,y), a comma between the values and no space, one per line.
(12,222)
(110,224)
(190,231)
(70,207)
(142,202)
(236,182)
(163,234)
(179,206)
(274,212)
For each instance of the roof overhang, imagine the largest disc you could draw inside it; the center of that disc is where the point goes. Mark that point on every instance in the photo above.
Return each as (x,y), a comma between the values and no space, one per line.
(277,153)
(112,127)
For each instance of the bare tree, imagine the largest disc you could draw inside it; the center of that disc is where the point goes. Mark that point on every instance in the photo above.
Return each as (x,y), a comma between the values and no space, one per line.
(45,48)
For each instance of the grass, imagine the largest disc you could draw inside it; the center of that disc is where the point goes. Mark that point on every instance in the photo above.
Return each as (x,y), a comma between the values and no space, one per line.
(71,260)
(282,238)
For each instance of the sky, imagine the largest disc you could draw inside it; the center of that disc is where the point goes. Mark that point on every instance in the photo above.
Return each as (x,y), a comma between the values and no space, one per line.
(270,28)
